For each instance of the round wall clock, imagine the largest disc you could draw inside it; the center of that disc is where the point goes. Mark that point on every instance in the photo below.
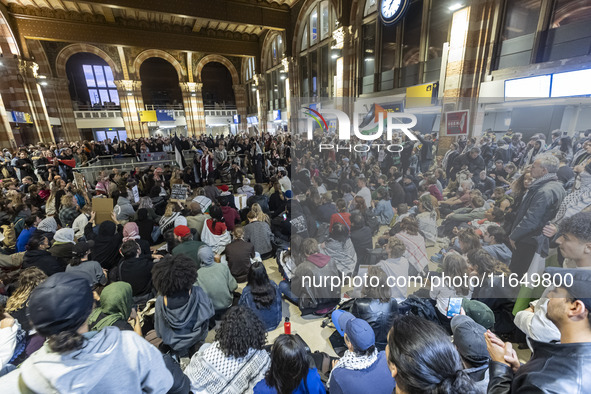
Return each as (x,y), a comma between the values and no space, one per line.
(392,11)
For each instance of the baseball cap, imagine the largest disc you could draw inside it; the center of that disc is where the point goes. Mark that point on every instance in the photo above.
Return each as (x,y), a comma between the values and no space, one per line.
(63,302)
(576,281)
(469,339)
(81,248)
(358,330)
(288,194)
(479,312)
(182,231)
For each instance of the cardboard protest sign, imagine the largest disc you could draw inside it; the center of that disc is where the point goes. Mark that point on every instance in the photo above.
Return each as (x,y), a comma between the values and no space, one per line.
(103,207)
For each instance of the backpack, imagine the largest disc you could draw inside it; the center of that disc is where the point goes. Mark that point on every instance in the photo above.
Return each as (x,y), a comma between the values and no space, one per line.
(372,222)
(421,307)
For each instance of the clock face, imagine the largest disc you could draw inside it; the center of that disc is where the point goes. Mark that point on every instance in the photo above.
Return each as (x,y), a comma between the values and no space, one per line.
(390,8)
(391,11)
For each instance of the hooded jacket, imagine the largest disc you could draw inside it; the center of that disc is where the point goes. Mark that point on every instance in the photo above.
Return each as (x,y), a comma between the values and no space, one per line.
(123,209)
(43,260)
(216,280)
(106,243)
(312,282)
(112,361)
(183,327)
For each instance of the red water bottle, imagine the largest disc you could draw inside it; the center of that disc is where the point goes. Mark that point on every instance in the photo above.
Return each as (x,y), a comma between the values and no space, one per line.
(287,326)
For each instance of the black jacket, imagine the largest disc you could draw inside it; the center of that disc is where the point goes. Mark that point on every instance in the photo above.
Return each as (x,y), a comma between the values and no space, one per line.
(43,260)
(553,368)
(539,205)
(138,273)
(238,254)
(106,243)
(362,242)
(379,315)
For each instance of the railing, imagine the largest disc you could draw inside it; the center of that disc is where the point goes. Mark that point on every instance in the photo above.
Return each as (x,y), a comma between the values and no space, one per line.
(220,112)
(83,107)
(91,172)
(99,114)
(151,107)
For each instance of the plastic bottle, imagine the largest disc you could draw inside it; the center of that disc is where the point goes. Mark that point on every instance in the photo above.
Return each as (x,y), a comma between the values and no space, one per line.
(287,326)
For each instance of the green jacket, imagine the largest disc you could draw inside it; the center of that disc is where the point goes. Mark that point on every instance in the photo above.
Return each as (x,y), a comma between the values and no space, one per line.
(190,249)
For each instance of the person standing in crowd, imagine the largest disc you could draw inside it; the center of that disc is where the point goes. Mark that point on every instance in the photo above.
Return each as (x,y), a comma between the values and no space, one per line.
(538,207)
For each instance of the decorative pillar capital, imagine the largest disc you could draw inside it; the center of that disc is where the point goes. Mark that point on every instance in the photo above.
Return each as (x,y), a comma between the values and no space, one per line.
(341,35)
(239,88)
(128,85)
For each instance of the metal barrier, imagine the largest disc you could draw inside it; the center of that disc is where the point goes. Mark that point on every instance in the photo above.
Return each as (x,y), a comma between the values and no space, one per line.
(91,172)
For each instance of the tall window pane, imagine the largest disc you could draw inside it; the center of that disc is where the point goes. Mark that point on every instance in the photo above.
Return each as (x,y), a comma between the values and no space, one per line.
(104,94)
(109,77)
(370,7)
(521,18)
(324,75)
(94,96)
(369,39)
(305,38)
(314,27)
(439,23)
(305,76)
(389,48)
(412,34)
(89,76)
(325,19)
(114,96)
(313,74)
(100,77)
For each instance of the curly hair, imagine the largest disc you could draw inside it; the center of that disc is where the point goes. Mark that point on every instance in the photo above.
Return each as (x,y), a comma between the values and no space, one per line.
(174,274)
(240,331)
(483,263)
(578,225)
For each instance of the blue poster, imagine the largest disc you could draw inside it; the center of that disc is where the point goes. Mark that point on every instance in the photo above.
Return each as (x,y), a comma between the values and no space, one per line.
(237,119)
(165,115)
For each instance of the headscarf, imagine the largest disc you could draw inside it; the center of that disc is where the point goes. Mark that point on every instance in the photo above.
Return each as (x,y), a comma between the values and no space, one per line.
(107,229)
(48,225)
(116,302)
(130,231)
(64,236)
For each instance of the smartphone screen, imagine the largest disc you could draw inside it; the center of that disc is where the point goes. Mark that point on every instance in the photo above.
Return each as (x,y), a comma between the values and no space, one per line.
(454,306)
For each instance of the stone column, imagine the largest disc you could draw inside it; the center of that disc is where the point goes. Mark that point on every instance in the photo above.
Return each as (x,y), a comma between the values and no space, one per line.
(59,102)
(240,97)
(194,111)
(291,91)
(261,88)
(6,135)
(36,101)
(470,54)
(131,100)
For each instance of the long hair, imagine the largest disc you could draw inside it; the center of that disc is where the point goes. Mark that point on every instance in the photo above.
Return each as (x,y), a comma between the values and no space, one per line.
(261,216)
(380,292)
(483,263)
(426,360)
(455,265)
(263,292)
(289,364)
(28,280)
(468,240)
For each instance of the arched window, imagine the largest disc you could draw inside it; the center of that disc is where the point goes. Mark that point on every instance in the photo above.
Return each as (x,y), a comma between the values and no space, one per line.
(317,66)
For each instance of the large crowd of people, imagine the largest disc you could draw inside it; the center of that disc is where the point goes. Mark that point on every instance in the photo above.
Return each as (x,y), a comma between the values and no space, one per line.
(175,295)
